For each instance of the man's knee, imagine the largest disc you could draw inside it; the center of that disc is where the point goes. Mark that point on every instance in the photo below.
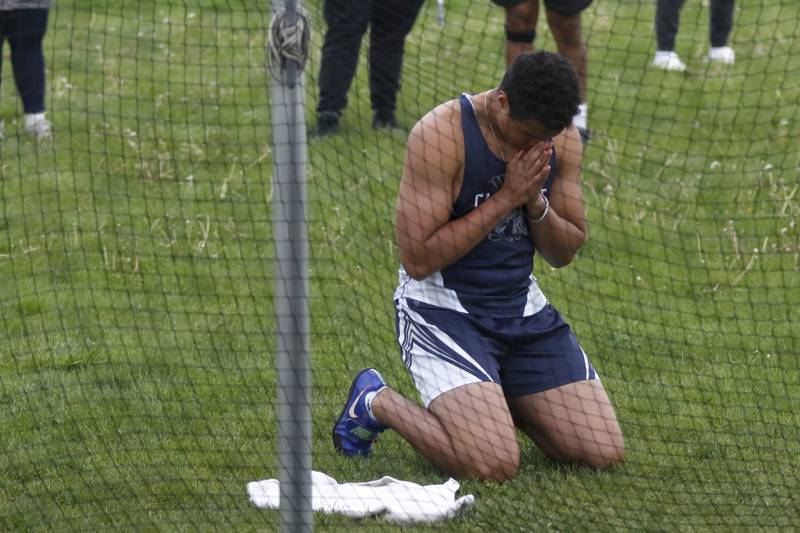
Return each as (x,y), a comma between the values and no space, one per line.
(607,461)
(490,462)
(498,468)
(604,458)
(566,29)
(522,17)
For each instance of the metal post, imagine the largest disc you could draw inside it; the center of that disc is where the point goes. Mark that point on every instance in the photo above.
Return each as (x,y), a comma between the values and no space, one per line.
(291,293)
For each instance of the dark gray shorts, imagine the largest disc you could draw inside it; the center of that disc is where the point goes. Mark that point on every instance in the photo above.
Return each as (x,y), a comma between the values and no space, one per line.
(562,7)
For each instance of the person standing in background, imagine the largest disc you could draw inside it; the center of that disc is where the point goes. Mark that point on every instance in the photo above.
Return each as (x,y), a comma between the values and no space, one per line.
(564,20)
(390,21)
(23,23)
(667,19)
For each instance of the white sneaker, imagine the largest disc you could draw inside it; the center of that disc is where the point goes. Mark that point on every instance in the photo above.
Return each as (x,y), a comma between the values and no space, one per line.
(668,60)
(38,126)
(722,54)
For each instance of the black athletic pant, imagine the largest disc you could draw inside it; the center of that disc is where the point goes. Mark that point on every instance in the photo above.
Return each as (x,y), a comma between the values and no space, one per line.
(668,14)
(390,21)
(25,29)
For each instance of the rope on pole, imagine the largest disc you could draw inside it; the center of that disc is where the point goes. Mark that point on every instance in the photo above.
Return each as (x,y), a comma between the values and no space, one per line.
(288,42)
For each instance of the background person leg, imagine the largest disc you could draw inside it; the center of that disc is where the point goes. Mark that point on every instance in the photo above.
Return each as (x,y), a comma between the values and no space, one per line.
(721,22)
(391,23)
(667,21)
(521,20)
(347,21)
(28,27)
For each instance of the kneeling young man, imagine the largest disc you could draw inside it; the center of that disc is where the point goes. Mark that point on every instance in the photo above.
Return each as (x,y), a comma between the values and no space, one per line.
(489,179)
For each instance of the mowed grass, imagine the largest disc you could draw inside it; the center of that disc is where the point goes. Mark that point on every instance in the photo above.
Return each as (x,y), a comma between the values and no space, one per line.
(137,364)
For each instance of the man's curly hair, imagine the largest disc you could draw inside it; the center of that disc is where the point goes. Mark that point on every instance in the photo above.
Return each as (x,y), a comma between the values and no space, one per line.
(543,86)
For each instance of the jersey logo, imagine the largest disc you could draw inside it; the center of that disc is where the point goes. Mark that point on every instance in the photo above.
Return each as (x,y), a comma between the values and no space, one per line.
(512,228)
(495,182)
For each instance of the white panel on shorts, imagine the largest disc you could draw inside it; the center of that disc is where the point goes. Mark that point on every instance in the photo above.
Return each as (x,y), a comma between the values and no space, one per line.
(430,290)
(585,363)
(434,371)
(536,300)
(591,373)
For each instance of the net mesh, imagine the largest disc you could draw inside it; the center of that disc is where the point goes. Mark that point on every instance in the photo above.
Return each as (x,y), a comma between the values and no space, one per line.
(137,365)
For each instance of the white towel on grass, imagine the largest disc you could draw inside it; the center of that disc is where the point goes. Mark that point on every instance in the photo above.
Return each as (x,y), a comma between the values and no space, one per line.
(394,500)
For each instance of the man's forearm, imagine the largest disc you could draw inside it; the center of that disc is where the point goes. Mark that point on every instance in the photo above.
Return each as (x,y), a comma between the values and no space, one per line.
(454,239)
(556,238)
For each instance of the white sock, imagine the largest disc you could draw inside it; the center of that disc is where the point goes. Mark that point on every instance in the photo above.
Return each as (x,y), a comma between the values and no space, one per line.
(33,118)
(368,397)
(580,120)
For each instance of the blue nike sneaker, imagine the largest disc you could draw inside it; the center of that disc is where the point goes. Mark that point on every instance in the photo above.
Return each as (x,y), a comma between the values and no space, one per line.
(355,430)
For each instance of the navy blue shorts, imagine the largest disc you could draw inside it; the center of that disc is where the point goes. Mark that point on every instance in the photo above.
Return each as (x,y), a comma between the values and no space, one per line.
(444,349)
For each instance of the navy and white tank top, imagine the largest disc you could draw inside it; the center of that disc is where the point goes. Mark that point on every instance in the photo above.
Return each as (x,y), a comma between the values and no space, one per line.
(495,277)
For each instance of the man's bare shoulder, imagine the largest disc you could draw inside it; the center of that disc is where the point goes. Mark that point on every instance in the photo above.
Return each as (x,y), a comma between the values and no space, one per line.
(435,148)
(569,148)
(440,127)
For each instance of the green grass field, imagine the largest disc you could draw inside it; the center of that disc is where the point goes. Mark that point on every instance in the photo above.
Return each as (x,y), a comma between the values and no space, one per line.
(137,379)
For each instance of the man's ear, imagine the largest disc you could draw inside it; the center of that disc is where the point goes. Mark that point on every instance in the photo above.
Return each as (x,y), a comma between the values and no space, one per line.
(502,97)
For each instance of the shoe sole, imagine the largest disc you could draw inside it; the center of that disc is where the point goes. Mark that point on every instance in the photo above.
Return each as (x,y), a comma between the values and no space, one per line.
(336,443)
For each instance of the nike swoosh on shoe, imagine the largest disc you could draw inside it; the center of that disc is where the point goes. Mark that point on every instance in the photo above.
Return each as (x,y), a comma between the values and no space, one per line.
(352,411)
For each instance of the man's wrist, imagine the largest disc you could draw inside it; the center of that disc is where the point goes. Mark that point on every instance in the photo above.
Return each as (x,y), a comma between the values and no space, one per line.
(503,202)
(538,209)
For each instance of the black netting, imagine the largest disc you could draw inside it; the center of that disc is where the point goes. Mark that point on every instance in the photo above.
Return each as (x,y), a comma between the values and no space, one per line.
(138,380)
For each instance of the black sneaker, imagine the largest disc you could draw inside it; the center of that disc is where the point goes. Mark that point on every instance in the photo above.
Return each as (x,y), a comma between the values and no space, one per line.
(385,122)
(327,124)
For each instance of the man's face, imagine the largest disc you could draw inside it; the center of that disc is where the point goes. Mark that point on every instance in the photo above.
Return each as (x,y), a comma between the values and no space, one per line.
(520,134)
(523,134)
